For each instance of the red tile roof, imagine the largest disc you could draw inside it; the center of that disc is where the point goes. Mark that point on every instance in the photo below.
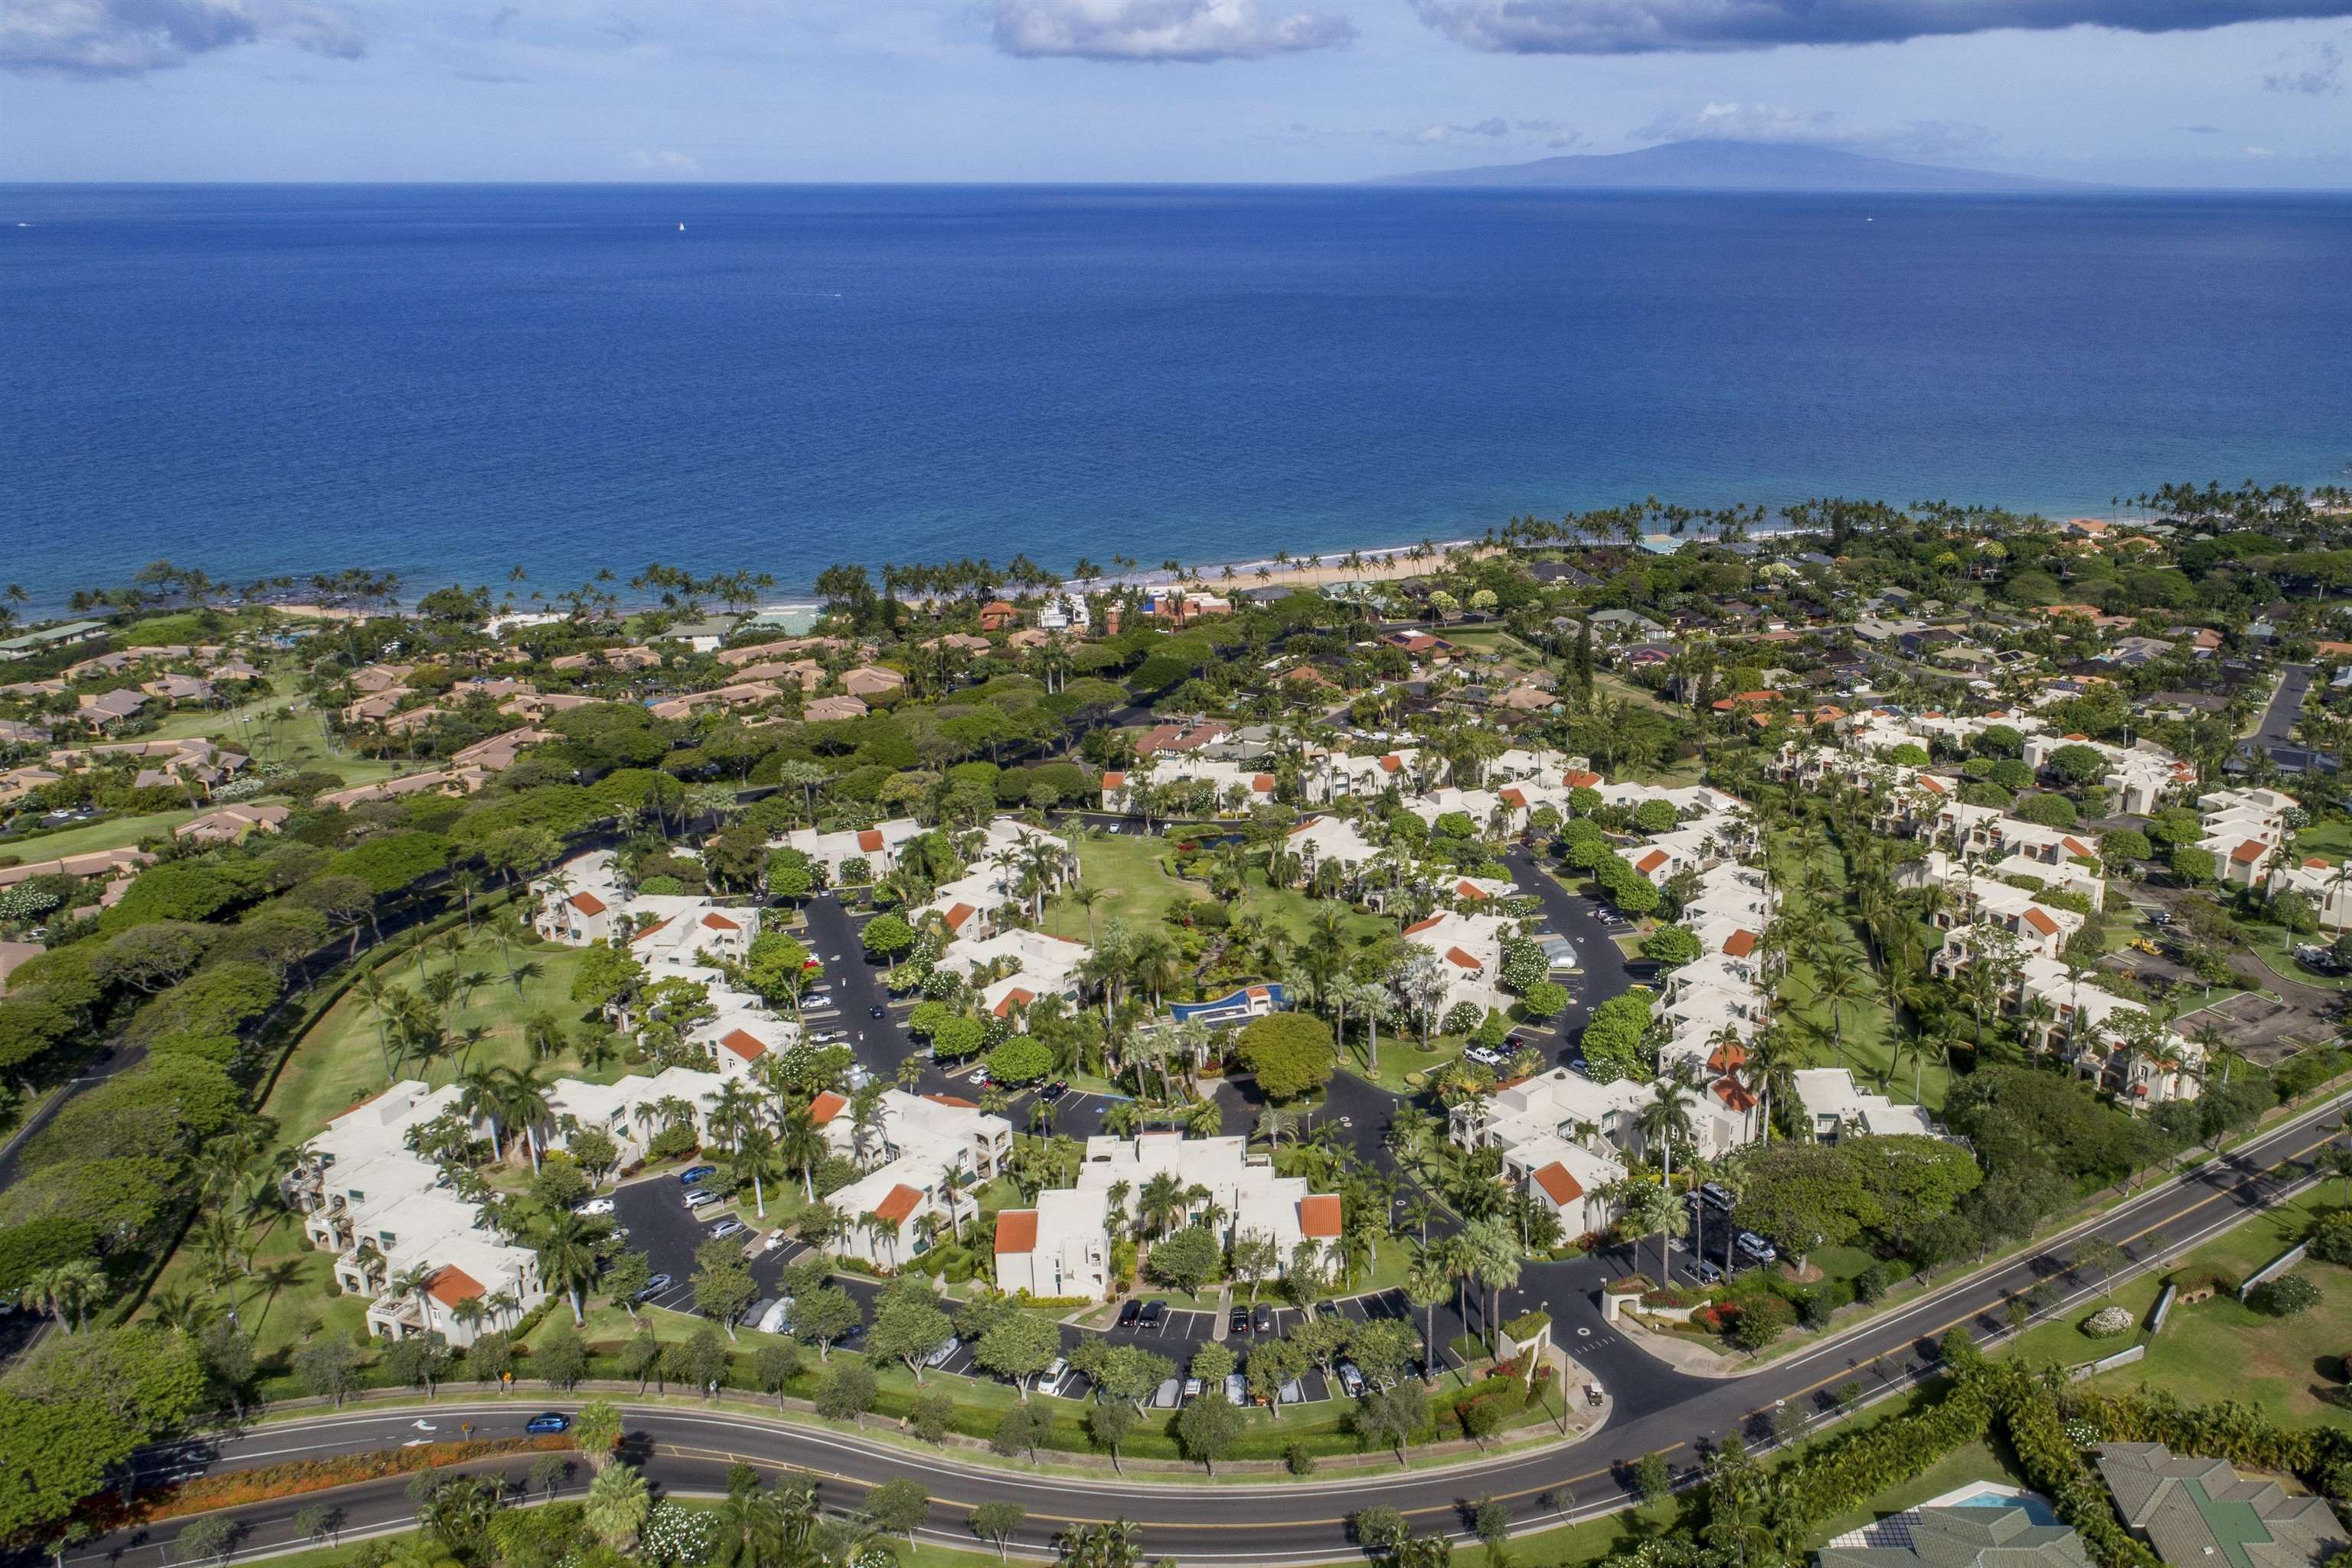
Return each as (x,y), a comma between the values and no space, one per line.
(719,923)
(1514,796)
(2040,922)
(1016,1230)
(869,839)
(2076,846)
(649,930)
(1733,1096)
(750,1047)
(1929,783)
(1739,943)
(958,914)
(1262,783)
(1651,862)
(1391,762)
(1730,1057)
(1462,959)
(1018,996)
(825,1107)
(958,1102)
(1114,779)
(1557,1184)
(1423,925)
(1318,1216)
(897,1202)
(588,903)
(452,1285)
(1579,779)
(2249,852)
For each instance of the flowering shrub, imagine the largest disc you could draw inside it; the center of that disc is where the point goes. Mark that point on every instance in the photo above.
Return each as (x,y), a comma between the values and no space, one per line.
(235,1488)
(675,1536)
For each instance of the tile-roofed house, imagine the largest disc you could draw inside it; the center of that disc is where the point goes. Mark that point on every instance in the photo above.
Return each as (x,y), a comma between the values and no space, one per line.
(827,709)
(1971,1535)
(2200,1513)
(871,681)
(1561,1187)
(1319,1216)
(228,823)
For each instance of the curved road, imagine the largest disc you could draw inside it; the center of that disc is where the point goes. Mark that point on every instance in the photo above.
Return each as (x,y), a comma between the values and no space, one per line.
(1289,1522)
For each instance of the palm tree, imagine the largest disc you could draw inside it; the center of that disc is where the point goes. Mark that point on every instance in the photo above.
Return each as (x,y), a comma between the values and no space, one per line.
(1493,1256)
(1428,1277)
(802,1147)
(65,1290)
(568,1260)
(1838,982)
(754,1156)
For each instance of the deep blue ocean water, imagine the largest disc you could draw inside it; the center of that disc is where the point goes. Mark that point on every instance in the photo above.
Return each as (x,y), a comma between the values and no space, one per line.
(451,381)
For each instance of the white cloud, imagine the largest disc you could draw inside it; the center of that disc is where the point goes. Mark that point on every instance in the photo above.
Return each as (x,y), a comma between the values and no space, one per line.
(662,163)
(1644,27)
(131,37)
(1736,122)
(1187,30)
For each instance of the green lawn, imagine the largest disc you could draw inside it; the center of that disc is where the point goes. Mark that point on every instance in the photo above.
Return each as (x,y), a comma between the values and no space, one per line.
(113,833)
(1292,908)
(2274,945)
(1127,865)
(2218,1349)
(340,1061)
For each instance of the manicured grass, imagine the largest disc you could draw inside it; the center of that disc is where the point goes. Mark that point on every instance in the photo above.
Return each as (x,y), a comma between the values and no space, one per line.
(340,1061)
(111,833)
(2274,945)
(1400,1056)
(282,1300)
(1127,865)
(2219,1350)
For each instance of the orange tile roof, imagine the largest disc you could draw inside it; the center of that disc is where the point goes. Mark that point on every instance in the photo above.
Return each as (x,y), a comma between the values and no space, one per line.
(2040,922)
(588,903)
(1318,1216)
(825,1107)
(2249,852)
(1929,782)
(1462,959)
(1733,1096)
(1579,779)
(2076,846)
(1114,779)
(1391,762)
(1739,943)
(1468,890)
(719,923)
(452,1285)
(1514,796)
(958,1102)
(1730,1057)
(1016,1230)
(750,1047)
(1423,925)
(1018,996)
(1558,1185)
(897,1202)
(1651,862)
(649,930)
(869,839)
(1262,783)
(958,914)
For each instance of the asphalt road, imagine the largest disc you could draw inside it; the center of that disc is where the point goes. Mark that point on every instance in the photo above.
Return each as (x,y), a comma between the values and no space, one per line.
(1301,1521)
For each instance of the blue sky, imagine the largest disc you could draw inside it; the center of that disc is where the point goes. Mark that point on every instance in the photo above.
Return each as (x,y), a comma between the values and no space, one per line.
(2248,93)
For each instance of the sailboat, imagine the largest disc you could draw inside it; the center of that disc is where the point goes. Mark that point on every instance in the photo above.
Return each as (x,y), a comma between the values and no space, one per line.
(681,228)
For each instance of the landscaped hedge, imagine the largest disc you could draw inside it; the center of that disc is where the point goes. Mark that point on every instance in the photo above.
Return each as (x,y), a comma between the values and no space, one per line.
(235,1488)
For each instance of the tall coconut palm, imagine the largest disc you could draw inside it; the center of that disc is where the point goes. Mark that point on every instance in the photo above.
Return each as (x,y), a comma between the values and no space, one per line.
(568,1259)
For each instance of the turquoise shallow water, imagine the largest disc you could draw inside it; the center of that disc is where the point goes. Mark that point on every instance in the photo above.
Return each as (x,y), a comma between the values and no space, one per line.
(451,381)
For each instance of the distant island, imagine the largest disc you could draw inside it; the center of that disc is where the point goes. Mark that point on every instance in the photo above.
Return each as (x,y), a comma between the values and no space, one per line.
(1716,165)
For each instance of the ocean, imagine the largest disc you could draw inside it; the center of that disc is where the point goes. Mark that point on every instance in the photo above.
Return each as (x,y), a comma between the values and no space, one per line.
(451,382)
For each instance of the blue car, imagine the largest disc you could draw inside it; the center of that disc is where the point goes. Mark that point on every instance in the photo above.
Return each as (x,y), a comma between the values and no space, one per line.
(547,1425)
(697,1174)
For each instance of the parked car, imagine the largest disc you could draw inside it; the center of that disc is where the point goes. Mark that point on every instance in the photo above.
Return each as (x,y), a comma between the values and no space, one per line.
(727,1228)
(1130,1313)
(1165,1397)
(876,1011)
(1155,1312)
(1756,1248)
(1706,1273)
(1351,1379)
(942,1351)
(1192,1389)
(778,1318)
(653,1287)
(595,1206)
(1240,1321)
(1262,1319)
(1717,1196)
(758,1310)
(693,1173)
(701,1197)
(1576,1066)
(1054,1090)
(1056,1370)
(550,1422)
